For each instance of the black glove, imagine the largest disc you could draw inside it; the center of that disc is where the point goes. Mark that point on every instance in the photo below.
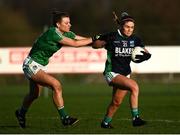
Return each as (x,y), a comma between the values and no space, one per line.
(143,57)
(96,37)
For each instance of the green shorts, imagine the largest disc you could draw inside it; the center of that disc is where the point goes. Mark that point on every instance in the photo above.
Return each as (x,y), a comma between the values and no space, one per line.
(30,67)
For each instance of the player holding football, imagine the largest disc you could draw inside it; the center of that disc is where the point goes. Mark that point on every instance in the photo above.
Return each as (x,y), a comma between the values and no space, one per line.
(34,66)
(119,46)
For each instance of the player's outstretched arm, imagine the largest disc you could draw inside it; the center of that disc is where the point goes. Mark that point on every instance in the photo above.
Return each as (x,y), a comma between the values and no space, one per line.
(77,42)
(77,37)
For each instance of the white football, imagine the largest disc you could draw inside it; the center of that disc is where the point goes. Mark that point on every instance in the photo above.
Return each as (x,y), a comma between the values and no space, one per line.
(137,51)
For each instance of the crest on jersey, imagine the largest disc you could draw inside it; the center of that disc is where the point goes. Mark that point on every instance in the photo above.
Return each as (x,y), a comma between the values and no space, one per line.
(35,67)
(131,43)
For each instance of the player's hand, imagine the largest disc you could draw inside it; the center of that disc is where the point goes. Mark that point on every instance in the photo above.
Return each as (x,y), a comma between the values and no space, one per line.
(143,57)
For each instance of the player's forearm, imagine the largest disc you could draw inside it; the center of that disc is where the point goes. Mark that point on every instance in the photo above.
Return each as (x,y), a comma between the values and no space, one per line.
(83,42)
(80,37)
(76,43)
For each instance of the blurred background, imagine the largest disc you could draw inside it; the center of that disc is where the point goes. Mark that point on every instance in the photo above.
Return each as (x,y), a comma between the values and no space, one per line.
(158,22)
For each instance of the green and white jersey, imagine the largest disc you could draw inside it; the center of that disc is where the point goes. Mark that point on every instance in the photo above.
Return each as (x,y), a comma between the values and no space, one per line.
(47,44)
(119,49)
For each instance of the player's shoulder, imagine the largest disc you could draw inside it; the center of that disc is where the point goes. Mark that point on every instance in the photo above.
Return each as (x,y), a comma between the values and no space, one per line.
(134,36)
(137,39)
(51,31)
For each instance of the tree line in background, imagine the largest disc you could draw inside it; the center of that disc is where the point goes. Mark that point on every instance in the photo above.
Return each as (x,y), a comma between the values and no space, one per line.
(157,22)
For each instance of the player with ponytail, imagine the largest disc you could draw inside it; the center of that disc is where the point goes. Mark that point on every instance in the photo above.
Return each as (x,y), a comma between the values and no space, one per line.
(119,46)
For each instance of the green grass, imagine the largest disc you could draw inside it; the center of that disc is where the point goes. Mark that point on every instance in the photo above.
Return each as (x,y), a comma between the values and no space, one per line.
(159,105)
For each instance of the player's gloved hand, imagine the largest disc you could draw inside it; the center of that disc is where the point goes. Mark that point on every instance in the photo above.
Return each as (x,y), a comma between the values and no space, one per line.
(96,37)
(143,57)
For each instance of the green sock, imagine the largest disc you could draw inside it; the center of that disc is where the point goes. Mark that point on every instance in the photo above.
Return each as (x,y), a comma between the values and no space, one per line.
(134,112)
(107,119)
(62,112)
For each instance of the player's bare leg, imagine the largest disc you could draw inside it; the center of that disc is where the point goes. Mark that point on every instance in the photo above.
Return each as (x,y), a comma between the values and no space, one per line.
(121,85)
(49,81)
(117,98)
(126,83)
(42,78)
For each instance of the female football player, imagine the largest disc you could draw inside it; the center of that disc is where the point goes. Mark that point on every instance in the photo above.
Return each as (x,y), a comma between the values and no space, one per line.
(119,46)
(34,66)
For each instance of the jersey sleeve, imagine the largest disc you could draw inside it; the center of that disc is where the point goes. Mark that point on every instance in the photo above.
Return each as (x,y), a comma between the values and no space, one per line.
(57,36)
(70,34)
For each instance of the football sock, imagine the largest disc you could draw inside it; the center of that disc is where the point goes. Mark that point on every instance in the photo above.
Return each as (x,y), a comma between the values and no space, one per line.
(23,110)
(135,112)
(62,112)
(107,119)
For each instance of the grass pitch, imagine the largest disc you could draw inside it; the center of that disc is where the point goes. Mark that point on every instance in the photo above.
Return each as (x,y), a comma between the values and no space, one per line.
(159,104)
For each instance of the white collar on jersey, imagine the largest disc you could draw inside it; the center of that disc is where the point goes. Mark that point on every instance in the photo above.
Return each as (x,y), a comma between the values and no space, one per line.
(120,33)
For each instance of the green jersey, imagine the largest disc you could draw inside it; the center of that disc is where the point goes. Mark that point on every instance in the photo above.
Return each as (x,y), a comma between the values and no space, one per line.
(47,44)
